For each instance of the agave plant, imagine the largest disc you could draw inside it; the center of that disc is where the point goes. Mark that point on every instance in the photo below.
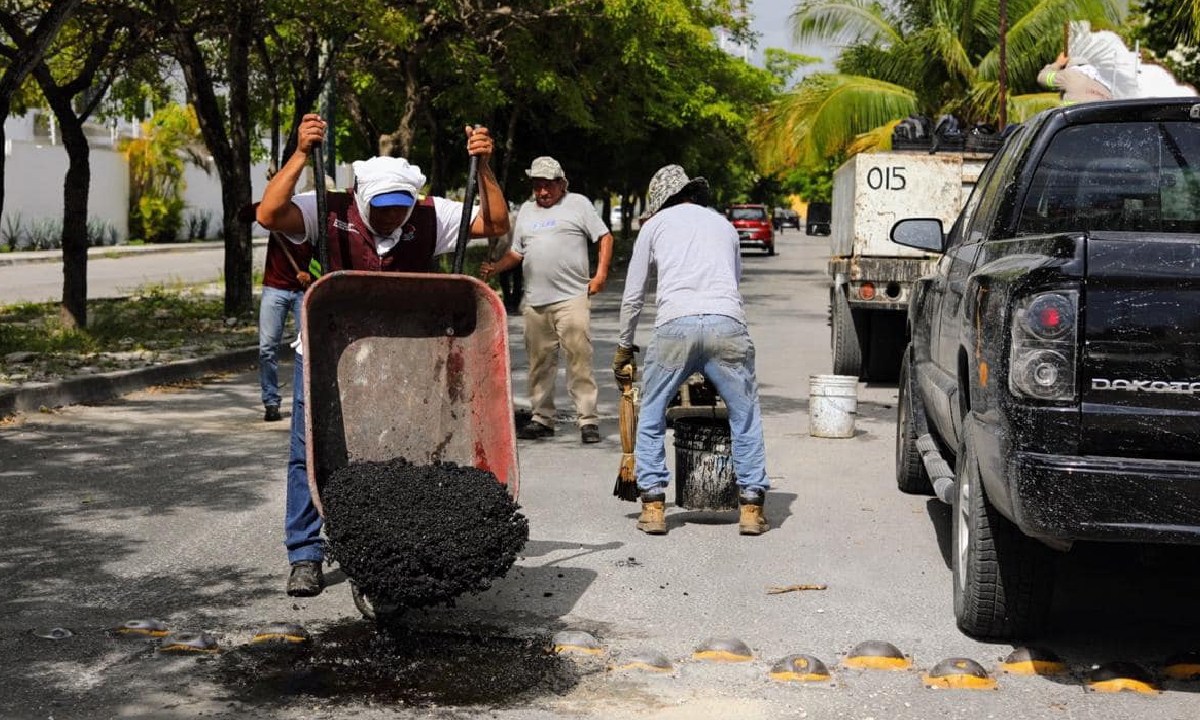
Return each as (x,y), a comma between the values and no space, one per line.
(924,57)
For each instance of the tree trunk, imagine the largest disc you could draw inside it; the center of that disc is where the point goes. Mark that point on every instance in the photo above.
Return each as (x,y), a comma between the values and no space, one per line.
(230,150)
(399,143)
(76,186)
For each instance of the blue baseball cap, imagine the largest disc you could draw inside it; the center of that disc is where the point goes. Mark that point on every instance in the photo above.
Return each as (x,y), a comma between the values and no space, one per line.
(398,198)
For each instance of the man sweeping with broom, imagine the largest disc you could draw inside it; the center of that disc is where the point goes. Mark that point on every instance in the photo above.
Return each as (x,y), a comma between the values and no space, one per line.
(700,327)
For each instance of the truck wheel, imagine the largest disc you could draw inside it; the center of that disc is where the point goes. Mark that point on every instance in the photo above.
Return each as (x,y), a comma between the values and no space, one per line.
(884,345)
(847,352)
(911,477)
(1003,580)
(771,249)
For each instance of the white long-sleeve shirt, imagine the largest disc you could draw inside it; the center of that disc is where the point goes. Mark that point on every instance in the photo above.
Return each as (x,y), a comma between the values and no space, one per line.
(698,261)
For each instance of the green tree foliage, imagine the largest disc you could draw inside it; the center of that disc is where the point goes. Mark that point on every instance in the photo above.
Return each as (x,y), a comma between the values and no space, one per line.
(1171,31)
(928,56)
(157,158)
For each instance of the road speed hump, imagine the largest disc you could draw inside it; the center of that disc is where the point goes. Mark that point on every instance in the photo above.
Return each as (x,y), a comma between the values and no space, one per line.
(1118,677)
(723,650)
(877,655)
(1033,661)
(799,668)
(958,674)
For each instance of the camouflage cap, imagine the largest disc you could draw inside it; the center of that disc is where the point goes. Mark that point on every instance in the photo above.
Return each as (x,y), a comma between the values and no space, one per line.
(545,167)
(669,181)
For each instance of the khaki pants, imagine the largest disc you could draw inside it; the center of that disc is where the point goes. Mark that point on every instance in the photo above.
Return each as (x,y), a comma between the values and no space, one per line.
(565,324)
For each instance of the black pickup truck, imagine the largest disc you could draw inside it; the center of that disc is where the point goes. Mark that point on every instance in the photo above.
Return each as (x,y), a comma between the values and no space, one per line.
(1050,391)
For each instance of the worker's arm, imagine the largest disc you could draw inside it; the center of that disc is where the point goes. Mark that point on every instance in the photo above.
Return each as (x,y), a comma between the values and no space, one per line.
(603,260)
(1048,77)
(276,212)
(492,219)
(510,260)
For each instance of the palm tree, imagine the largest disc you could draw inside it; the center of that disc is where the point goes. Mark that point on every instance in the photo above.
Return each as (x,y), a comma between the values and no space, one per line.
(927,57)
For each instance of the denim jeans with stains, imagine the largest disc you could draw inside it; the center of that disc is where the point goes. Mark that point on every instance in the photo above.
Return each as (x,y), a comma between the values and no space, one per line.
(301,522)
(720,348)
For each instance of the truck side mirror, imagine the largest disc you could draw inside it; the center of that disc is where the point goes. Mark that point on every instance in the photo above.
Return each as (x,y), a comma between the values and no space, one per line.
(920,233)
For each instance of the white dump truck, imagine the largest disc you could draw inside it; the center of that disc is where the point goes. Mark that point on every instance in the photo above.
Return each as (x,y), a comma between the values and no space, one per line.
(871,275)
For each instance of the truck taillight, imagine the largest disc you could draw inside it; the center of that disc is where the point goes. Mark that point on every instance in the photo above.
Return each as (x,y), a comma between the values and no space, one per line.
(1042,359)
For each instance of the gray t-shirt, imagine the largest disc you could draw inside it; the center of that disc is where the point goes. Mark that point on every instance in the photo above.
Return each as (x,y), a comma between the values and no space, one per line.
(699,266)
(554,244)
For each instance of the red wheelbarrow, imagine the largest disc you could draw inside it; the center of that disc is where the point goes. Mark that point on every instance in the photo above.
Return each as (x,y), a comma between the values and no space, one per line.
(407,365)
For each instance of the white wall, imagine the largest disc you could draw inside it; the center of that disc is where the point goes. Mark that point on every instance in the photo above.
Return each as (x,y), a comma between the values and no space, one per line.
(33,185)
(34,172)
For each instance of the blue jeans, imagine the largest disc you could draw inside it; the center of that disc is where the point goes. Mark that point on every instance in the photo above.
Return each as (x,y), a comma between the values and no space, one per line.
(272,317)
(302,522)
(720,348)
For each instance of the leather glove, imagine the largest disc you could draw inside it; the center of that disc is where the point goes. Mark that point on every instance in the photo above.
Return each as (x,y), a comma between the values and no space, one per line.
(624,364)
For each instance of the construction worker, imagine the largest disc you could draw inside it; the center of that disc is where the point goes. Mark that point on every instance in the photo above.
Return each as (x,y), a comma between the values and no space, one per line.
(381,224)
(700,326)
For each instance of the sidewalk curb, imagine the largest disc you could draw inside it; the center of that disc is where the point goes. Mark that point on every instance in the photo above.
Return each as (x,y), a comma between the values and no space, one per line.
(106,386)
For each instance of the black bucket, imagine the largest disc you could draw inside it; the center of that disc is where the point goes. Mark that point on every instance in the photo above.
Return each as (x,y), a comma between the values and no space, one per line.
(704,465)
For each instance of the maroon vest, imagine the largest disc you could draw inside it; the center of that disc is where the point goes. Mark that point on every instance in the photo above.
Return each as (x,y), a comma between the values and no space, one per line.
(351,246)
(279,272)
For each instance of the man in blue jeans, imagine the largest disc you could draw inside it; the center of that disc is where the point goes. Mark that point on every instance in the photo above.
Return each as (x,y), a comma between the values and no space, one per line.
(381,224)
(285,277)
(284,282)
(700,326)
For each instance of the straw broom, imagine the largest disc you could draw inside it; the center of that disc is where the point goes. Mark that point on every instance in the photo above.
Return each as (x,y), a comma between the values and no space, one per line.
(626,487)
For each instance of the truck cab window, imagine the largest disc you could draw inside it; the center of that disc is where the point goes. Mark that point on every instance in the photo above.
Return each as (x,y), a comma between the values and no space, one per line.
(1130,177)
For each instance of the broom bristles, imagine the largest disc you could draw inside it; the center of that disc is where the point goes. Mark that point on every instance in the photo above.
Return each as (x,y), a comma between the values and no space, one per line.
(626,487)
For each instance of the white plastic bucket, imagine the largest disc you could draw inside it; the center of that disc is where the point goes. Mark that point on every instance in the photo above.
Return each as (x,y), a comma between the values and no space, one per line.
(832,405)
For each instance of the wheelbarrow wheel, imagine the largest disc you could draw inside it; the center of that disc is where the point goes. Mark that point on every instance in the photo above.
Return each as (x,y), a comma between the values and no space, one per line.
(371,610)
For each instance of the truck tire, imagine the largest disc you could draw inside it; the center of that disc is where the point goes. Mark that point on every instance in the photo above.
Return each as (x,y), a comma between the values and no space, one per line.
(847,352)
(885,345)
(1003,580)
(911,477)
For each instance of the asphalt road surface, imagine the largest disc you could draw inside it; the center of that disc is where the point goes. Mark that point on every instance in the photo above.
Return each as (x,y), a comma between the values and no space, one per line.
(167,504)
(110,277)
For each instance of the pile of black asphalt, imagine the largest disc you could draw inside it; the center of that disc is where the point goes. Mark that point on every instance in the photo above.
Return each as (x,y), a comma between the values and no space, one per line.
(421,535)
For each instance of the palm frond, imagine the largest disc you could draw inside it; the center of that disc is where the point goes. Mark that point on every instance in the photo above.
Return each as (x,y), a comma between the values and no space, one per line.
(824,115)
(878,139)
(843,23)
(1023,107)
(1035,37)
(940,47)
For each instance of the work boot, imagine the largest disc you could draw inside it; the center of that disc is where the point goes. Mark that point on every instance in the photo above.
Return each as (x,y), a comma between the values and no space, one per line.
(272,414)
(751,520)
(653,520)
(589,434)
(306,579)
(534,430)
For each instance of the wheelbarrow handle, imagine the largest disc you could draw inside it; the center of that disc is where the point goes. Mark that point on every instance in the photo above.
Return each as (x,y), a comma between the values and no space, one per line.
(322,207)
(464,225)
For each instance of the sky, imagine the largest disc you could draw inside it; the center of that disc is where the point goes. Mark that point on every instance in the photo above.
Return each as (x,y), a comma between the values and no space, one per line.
(770,18)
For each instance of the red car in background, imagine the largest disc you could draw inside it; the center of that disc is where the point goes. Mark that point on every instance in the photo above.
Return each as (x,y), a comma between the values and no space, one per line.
(754,226)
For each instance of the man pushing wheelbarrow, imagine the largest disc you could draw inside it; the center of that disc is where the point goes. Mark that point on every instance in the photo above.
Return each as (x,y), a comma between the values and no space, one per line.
(381,225)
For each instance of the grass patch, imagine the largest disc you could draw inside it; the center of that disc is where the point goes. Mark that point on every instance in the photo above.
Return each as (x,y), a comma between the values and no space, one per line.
(142,328)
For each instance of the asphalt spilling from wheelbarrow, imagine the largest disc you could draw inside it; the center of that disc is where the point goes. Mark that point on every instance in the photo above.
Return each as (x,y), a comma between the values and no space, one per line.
(356,661)
(412,536)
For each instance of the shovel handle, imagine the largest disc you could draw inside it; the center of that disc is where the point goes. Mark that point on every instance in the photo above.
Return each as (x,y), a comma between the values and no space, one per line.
(322,208)
(464,225)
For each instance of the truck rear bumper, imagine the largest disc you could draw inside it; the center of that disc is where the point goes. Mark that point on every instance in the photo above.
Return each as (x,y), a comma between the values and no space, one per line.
(1087,497)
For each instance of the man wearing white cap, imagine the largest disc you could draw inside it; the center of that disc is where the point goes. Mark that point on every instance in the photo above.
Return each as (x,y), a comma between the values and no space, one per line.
(383,225)
(700,326)
(550,242)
